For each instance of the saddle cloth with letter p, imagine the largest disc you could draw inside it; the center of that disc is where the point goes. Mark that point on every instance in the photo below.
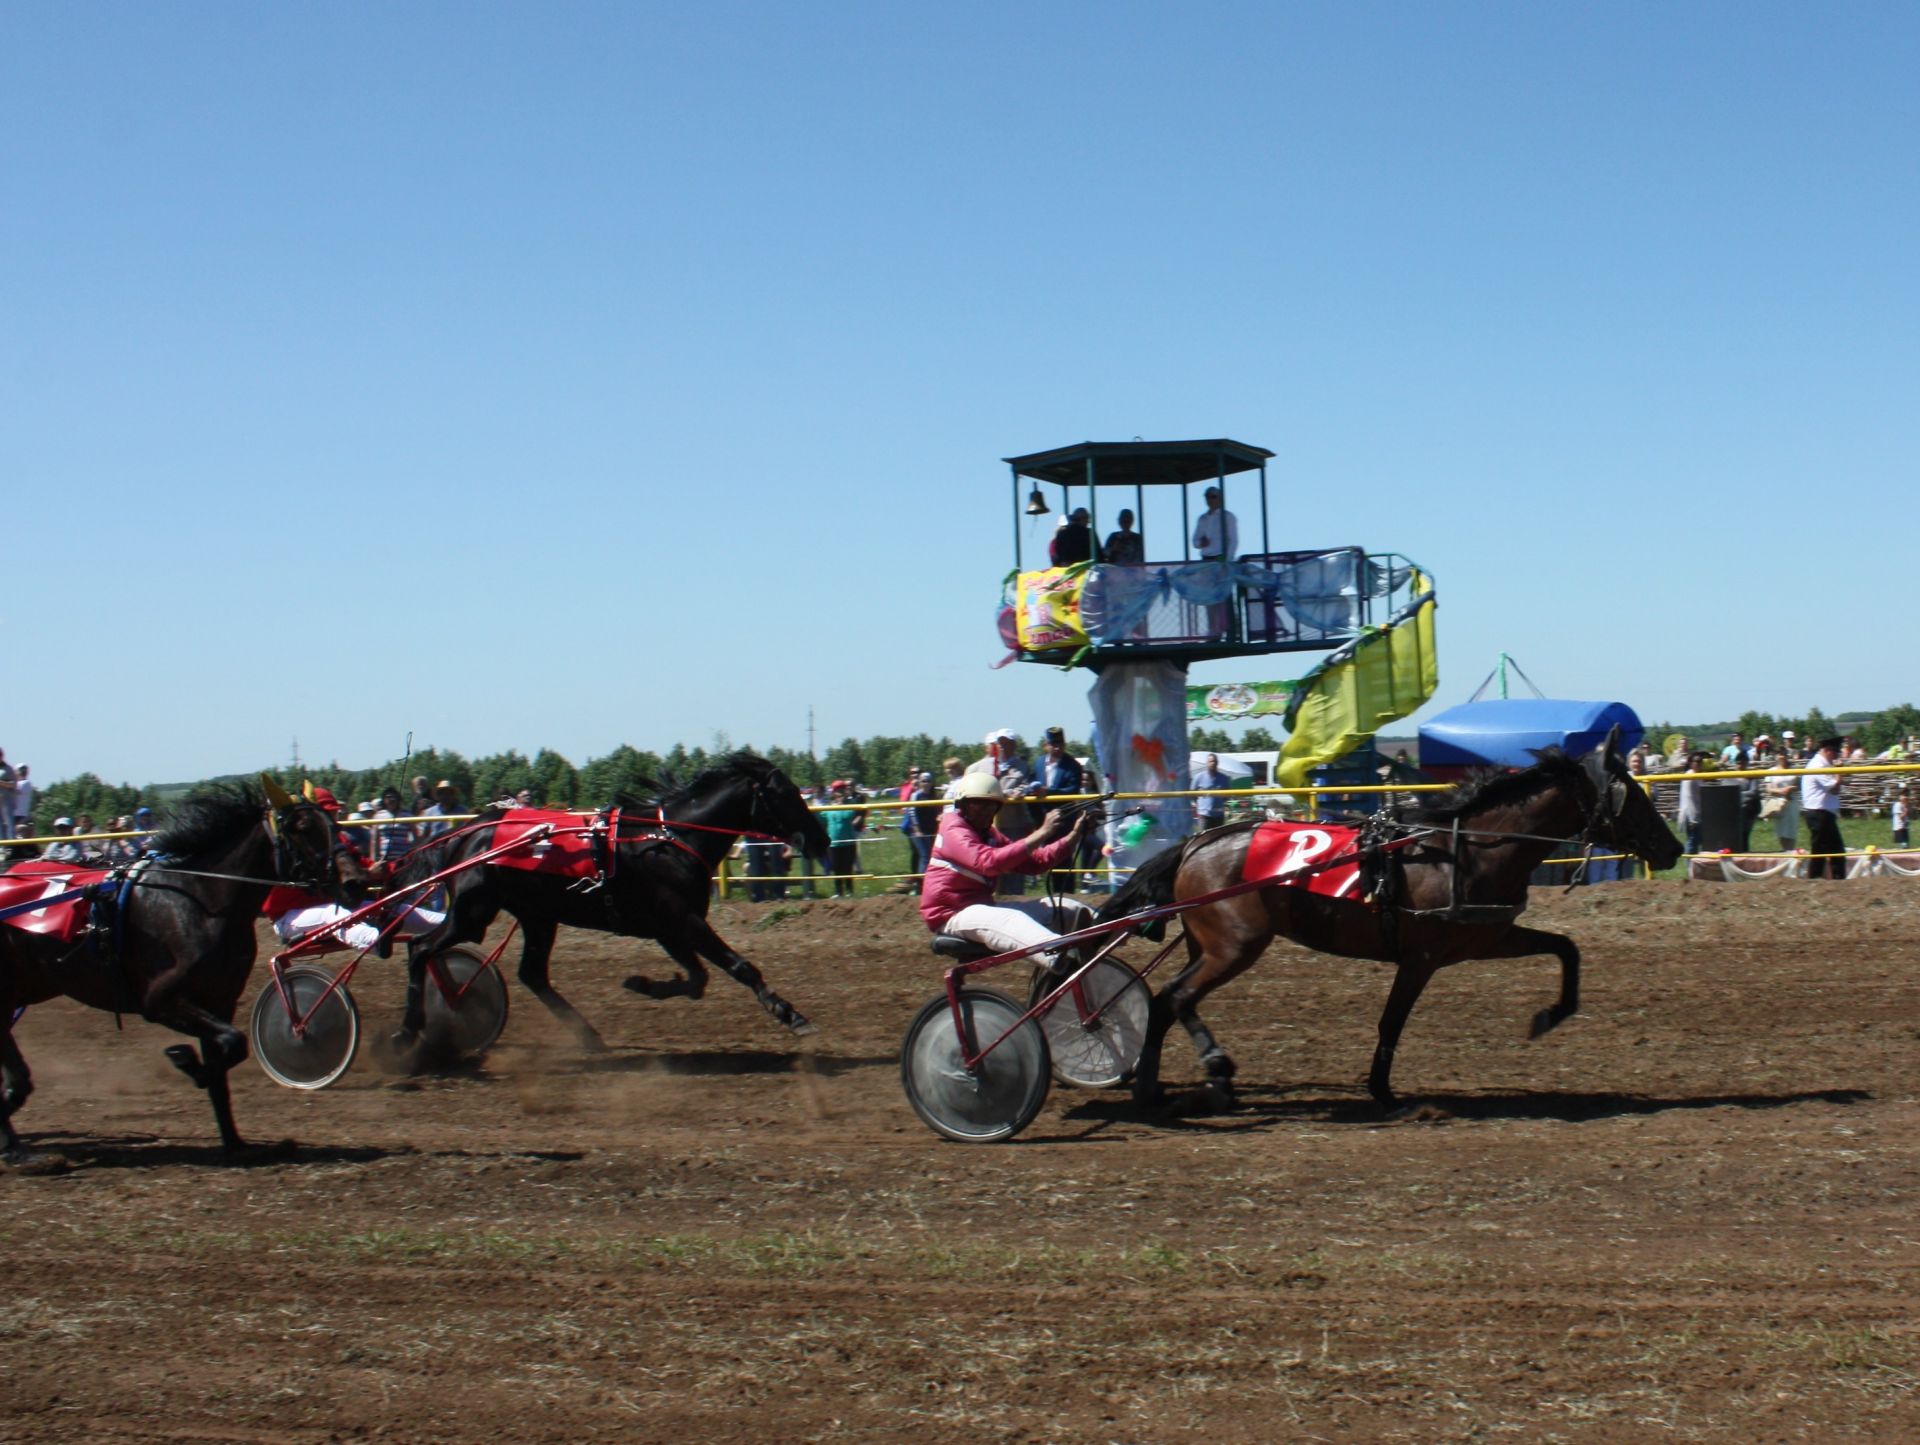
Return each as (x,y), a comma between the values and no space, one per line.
(1279,850)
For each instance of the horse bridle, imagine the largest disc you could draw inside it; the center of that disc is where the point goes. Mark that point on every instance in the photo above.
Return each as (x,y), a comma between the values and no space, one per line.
(292,865)
(758,792)
(1609,802)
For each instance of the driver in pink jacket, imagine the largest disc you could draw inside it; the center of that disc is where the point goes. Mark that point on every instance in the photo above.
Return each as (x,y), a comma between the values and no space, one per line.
(969,853)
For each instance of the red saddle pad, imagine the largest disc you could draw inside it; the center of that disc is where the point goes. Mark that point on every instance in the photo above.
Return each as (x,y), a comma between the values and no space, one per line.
(1278,850)
(38,878)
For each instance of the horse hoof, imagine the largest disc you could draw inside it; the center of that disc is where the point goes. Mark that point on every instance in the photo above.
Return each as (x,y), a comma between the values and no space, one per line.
(279,1151)
(1207,1099)
(31,1161)
(183,1058)
(801,1028)
(1220,1068)
(1415,1112)
(1544,1022)
(399,1053)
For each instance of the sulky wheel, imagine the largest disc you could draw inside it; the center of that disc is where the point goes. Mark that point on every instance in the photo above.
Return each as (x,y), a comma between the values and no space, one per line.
(467,1023)
(993,1102)
(1099,1047)
(320,1052)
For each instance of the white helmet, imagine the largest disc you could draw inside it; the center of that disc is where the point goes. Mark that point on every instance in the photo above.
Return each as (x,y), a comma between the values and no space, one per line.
(979,785)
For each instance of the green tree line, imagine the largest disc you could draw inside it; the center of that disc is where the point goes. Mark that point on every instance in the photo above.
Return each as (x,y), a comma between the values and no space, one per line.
(876,762)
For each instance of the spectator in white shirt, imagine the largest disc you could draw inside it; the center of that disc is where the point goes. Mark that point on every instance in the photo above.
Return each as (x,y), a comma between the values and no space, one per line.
(1820,807)
(1216,536)
(23,796)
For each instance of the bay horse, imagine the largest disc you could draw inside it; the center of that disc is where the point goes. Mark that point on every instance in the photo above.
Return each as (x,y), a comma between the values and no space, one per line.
(174,937)
(1451,889)
(655,884)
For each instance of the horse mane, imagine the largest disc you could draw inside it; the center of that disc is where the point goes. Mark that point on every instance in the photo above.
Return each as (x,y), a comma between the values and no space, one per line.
(209,820)
(1486,788)
(741,764)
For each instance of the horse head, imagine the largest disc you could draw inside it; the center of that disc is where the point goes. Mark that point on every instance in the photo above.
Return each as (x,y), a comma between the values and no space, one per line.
(308,851)
(779,809)
(1621,814)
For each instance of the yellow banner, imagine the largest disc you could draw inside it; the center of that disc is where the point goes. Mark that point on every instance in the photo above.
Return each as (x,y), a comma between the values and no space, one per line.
(1358,690)
(1046,608)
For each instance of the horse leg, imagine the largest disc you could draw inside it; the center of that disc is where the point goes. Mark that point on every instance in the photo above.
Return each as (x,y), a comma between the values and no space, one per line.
(466,921)
(1223,948)
(1408,983)
(536,951)
(221,1047)
(1217,1061)
(1147,1090)
(1518,943)
(16,1083)
(702,940)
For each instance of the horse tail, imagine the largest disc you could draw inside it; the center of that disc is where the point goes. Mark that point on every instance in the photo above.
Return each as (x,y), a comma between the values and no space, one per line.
(1150,887)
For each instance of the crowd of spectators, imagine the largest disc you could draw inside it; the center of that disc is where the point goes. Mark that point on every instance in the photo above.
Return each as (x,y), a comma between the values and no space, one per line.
(1799,794)
(394,825)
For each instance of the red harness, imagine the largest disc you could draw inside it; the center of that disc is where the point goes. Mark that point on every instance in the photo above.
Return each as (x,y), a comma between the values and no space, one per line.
(573,848)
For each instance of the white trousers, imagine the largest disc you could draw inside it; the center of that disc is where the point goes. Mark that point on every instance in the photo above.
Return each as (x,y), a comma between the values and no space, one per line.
(1018,923)
(297,923)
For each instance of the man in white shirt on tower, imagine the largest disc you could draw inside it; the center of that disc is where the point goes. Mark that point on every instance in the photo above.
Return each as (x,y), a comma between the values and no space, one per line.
(1216,537)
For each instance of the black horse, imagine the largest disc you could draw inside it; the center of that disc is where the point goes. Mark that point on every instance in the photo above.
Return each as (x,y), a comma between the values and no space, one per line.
(174,938)
(1453,890)
(658,874)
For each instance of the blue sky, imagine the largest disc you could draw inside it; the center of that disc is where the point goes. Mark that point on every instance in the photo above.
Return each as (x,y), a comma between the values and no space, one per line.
(584,374)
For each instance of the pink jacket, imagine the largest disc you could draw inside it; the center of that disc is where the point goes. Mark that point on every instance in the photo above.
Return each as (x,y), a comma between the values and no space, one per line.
(965,864)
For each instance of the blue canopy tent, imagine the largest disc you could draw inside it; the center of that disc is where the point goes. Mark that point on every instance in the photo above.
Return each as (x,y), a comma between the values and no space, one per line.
(1498,732)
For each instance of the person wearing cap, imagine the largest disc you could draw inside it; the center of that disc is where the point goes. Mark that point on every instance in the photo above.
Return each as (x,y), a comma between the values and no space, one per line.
(445,804)
(1006,762)
(391,840)
(1820,806)
(1060,772)
(970,853)
(843,825)
(921,822)
(66,850)
(1073,541)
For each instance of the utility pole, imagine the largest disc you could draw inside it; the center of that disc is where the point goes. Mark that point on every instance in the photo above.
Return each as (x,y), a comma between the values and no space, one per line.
(296,757)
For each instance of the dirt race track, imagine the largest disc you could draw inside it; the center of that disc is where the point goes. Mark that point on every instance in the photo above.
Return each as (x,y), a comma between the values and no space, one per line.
(1688,1214)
